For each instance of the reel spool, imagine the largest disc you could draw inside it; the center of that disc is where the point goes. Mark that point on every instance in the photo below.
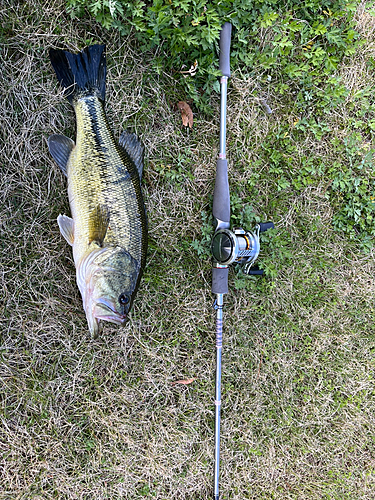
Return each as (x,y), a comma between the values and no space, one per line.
(238,247)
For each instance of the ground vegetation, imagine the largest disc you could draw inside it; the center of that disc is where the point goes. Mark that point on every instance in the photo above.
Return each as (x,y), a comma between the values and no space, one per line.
(103,419)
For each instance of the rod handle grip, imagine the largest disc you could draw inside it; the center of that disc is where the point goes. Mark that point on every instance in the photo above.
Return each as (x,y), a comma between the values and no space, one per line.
(220,280)
(221,201)
(224,44)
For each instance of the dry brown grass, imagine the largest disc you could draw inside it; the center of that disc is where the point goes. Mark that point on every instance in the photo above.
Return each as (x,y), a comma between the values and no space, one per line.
(100,419)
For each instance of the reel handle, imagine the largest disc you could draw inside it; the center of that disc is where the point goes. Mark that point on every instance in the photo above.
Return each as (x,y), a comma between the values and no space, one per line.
(224,44)
(264,226)
(255,271)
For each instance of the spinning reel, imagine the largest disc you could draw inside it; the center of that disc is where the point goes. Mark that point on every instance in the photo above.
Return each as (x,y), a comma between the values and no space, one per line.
(238,247)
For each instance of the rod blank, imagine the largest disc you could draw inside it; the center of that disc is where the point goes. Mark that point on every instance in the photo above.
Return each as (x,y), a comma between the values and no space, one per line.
(219,344)
(221,211)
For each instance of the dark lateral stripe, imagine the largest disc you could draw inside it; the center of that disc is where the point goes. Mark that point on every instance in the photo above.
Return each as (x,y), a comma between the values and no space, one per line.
(103,139)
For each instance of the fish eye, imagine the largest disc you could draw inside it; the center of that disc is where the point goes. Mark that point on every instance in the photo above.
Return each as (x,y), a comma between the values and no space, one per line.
(124,299)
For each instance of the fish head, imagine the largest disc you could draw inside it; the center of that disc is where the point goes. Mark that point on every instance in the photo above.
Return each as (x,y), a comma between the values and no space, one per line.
(110,286)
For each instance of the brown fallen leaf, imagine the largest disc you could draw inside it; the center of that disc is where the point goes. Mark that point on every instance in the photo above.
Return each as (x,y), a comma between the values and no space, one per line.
(186,113)
(184,382)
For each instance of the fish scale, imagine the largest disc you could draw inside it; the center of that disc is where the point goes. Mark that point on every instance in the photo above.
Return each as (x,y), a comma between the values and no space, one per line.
(108,227)
(94,180)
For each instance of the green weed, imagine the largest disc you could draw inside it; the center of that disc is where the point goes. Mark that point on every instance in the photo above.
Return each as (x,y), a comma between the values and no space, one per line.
(303,41)
(102,419)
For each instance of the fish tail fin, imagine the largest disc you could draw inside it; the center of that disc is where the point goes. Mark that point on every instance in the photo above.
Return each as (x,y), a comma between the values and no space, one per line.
(81,74)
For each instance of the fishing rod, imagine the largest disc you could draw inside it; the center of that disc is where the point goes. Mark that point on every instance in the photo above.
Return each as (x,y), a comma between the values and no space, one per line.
(228,247)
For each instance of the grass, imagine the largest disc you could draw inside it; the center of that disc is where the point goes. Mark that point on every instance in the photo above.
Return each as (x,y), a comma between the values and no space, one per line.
(101,419)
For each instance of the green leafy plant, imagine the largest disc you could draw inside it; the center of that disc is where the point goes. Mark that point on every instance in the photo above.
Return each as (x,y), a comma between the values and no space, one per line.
(203,245)
(296,40)
(353,190)
(294,48)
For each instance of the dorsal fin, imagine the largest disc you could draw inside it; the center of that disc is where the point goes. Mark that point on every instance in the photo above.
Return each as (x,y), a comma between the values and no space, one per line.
(134,148)
(98,224)
(60,148)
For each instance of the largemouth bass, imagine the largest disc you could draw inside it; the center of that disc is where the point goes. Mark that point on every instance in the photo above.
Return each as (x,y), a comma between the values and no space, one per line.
(108,224)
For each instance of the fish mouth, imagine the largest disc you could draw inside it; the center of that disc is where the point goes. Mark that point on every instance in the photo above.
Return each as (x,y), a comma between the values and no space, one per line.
(103,310)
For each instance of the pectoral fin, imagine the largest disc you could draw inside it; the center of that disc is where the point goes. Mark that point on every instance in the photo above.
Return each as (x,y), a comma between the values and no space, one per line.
(134,148)
(60,148)
(98,224)
(66,226)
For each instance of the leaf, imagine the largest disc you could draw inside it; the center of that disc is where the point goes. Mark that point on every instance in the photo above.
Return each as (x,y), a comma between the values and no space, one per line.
(184,382)
(186,113)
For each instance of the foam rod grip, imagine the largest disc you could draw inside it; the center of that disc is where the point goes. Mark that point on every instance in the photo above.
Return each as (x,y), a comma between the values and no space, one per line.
(221,202)
(224,44)
(264,226)
(256,272)
(220,280)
